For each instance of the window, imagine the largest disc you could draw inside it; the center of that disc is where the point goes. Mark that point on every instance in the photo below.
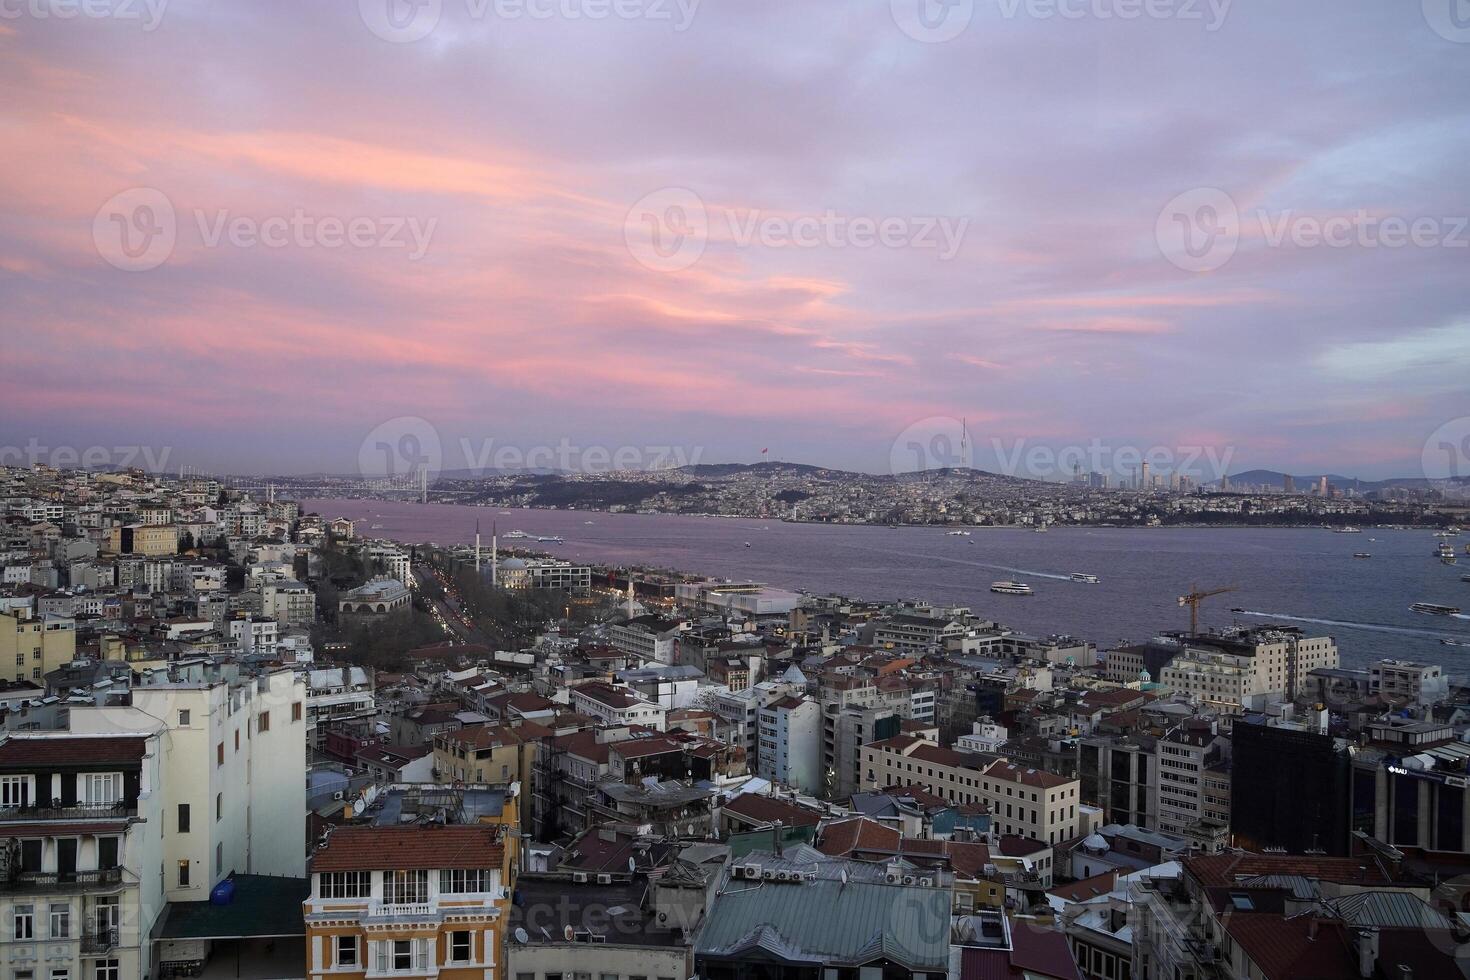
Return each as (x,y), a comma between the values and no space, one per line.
(102,788)
(219,755)
(402,955)
(296,711)
(15,791)
(237,740)
(183,818)
(460,882)
(108,851)
(219,859)
(346,884)
(25,924)
(61,920)
(183,718)
(459,947)
(405,887)
(219,807)
(107,970)
(346,949)
(264,725)
(183,874)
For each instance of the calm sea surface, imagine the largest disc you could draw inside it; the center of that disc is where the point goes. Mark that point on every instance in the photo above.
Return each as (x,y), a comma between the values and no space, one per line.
(1302,576)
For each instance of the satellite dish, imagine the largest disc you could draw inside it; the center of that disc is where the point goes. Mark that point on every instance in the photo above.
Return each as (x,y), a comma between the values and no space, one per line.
(522,936)
(632,864)
(358,808)
(569,933)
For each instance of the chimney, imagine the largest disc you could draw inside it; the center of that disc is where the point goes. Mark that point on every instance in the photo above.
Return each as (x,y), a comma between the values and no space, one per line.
(1367,943)
(776,838)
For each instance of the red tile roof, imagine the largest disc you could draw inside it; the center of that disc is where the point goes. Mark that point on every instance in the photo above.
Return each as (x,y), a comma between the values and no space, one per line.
(410,848)
(752,806)
(858,834)
(68,751)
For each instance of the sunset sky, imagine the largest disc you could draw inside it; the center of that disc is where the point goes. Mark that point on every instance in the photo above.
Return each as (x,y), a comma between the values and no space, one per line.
(549,164)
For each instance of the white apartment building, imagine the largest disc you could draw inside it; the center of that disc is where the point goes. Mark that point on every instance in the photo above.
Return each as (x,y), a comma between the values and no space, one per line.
(254,635)
(1404,680)
(79,884)
(652,638)
(394,561)
(790,739)
(1229,669)
(1192,784)
(985,736)
(232,775)
(616,706)
(1029,802)
(335,695)
(288,602)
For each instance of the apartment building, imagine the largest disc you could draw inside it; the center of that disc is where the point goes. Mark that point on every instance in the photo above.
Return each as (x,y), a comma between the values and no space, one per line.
(33,646)
(1027,802)
(79,884)
(1120,775)
(420,901)
(790,739)
(1232,669)
(337,697)
(232,773)
(1193,783)
(651,638)
(143,539)
(288,602)
(1400,681)
(616,706)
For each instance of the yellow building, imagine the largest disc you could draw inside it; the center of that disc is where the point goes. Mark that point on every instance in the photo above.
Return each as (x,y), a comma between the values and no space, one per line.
(413,901)
(144,539)
(30,648)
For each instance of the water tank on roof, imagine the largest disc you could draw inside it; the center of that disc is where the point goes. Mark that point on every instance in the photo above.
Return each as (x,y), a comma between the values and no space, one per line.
(223,893)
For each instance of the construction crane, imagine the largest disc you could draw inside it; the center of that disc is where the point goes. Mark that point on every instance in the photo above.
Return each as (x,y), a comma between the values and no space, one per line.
(1193,601)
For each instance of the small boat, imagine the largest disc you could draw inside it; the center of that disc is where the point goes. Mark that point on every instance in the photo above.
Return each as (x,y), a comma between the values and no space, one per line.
(1435,609)
(1465,578)
(959,534)
(1347,529)
(516,535)
(1361,554)
(1456,643)
(588,522)
(1011,588)
(1040,529)
(552,539)
(1085,577)
(747,544)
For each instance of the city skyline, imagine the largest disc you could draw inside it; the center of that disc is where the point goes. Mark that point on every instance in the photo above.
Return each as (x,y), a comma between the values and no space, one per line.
(334,223)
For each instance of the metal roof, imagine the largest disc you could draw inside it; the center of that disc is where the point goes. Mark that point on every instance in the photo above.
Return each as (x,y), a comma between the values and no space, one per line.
(1391,910)
(830,921)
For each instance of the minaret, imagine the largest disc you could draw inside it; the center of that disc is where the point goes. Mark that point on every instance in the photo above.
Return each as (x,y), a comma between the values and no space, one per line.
(477,547)
(630,595)
(494,556)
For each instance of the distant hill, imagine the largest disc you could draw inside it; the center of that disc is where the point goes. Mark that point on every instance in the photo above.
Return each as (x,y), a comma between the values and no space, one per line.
(1272,478)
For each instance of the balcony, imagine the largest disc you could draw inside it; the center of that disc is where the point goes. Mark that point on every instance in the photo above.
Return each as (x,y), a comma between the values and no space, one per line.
(81,811)
(99,941)
(402,910)
(57,881)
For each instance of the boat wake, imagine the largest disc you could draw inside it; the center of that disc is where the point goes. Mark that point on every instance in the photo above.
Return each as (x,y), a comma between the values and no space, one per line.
(1370,627)
(1030,572)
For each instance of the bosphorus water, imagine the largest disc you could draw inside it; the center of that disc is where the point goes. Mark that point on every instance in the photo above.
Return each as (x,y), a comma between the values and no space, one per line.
(1296,576)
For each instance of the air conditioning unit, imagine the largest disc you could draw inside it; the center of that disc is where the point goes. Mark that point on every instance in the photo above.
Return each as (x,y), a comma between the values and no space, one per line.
(604,879)
(908,879)
(579,876)
(768,875)
(752,871)
(927,882)
(893,877)
(339,795)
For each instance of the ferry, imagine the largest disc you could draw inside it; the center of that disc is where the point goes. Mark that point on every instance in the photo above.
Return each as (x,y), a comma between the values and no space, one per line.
(1447,554)
(1361,554)
(516,535)
(1435,609)
(1085,577)
(552,539)
(1011,588)
(1349,529)
(959,534)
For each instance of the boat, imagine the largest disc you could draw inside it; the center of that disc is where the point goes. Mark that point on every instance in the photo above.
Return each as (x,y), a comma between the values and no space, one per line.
(1040,529)
(1456,643)
(747,544)
(1447,554)
(1450,532)
(1361,554)
(959,534)
(589,522)
(552,539)
(1465,578)
(1085,577)
(1011,588)
(516,535)
(1435,609)
(1347,529)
